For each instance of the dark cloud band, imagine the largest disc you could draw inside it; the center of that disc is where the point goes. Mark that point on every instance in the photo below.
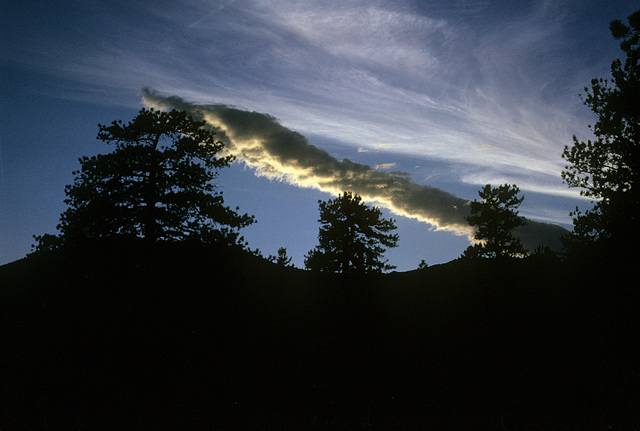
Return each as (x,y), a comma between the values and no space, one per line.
(274,151)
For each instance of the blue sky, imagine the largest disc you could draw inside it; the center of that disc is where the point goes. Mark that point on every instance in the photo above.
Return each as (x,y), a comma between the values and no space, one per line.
(449,95)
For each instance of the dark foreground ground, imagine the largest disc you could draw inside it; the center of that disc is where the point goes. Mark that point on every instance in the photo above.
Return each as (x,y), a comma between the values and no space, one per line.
(188,338)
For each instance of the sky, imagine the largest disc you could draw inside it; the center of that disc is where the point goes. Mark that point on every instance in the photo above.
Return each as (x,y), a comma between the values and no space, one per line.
(415,105)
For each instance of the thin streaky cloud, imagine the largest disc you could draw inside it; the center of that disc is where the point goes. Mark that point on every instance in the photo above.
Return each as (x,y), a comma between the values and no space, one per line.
(434,86)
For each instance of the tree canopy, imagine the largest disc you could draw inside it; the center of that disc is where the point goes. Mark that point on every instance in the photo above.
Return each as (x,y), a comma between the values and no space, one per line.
(494,217)
(157,184)
(353,237)
(607,169)
(282,258)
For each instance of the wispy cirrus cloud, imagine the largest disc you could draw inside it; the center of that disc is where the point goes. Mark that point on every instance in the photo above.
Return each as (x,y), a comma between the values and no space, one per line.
(365,33)
(429,80)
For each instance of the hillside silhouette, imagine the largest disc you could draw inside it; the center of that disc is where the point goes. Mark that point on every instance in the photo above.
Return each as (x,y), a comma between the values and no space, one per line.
(121,335)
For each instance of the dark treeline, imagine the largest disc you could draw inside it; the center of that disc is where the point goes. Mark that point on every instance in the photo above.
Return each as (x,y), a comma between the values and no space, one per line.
(122,336)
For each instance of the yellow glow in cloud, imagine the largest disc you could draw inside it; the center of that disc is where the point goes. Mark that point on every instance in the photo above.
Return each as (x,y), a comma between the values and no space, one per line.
(276,152)
(385,165)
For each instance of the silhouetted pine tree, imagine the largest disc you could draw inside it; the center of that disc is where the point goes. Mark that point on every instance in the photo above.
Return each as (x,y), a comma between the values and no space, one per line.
(353,237)
(495,216)
(157,184)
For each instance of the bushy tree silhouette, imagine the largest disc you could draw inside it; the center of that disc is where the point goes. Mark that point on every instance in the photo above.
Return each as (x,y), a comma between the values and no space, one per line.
(282,258)
(353,237)
(157,184)
(608,168)
(495,216)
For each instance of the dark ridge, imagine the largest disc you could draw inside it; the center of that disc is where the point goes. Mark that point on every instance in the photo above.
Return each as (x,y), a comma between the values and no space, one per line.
(120,336)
